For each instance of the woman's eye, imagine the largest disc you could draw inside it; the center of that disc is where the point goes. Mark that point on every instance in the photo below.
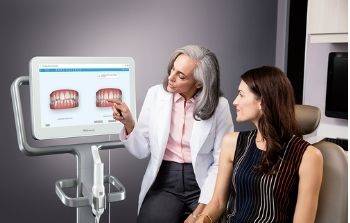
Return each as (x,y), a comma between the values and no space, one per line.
(181,76)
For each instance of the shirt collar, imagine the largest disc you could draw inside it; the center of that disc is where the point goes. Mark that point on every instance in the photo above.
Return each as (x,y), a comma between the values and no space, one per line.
(178,97)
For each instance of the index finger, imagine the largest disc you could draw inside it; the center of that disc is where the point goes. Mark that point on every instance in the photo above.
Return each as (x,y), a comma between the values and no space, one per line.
(114,101)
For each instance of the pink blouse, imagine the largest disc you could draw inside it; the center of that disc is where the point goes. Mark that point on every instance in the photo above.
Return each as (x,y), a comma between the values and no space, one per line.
(178,146)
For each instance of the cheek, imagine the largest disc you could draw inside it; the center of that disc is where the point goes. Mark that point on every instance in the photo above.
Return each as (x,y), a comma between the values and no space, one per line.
(248,109)
(184,87)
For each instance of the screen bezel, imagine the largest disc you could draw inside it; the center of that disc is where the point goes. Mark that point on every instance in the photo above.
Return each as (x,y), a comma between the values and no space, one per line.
(40,132)
(329,110)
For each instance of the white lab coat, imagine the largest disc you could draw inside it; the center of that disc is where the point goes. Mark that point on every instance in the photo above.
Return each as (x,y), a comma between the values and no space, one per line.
(150,137)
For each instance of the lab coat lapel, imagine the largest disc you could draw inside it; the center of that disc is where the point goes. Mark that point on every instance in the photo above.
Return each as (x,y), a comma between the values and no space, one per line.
(200,132)
(164,118)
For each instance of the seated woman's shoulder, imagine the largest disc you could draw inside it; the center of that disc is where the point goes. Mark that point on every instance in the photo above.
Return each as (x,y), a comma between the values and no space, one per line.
(230,137)
(312,153)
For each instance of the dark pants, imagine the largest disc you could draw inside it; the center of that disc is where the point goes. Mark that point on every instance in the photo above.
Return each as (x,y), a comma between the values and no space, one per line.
(173,195)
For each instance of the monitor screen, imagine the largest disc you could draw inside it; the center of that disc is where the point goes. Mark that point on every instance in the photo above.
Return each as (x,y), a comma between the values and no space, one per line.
(337,85)
(70,95)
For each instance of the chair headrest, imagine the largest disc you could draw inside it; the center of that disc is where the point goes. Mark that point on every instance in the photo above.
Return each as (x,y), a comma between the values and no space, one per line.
(307,117)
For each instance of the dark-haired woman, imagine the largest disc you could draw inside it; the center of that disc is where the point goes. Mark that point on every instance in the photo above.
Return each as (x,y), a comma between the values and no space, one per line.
(269,174)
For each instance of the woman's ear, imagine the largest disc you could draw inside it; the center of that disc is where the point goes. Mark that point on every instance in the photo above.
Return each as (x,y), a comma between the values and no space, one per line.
(198,84)
(260,106)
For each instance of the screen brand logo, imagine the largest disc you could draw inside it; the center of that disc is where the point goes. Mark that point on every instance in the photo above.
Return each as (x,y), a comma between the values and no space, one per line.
(88,130)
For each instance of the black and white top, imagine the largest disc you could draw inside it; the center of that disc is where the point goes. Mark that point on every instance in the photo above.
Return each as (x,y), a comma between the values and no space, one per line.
(257,197)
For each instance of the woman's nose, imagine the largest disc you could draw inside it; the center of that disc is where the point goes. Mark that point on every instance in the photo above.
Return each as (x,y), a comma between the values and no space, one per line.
(235,102)
(171,77)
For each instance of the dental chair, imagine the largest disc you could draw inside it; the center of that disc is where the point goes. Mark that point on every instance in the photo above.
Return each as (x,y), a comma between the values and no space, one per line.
(333,203)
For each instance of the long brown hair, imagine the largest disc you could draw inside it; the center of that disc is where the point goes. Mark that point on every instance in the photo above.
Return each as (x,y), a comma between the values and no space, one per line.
(277,123)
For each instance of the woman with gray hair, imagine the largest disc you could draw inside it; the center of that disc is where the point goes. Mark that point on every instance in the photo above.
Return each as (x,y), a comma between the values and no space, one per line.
(181,126)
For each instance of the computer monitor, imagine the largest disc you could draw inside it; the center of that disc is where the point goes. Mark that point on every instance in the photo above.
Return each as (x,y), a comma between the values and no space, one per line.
(69,95)
(337,85)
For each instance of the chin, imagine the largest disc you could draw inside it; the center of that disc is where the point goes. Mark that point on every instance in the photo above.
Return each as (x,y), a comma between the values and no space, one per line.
(169,89)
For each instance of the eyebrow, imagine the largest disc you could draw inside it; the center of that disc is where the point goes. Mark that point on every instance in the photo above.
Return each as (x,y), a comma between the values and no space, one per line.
(178,71)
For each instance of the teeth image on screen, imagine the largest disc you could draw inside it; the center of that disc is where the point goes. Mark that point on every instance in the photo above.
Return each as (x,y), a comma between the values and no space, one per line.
(64,99)
(105,94)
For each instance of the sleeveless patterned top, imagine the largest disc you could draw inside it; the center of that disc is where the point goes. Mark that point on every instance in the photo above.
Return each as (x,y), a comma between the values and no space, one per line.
(257,197)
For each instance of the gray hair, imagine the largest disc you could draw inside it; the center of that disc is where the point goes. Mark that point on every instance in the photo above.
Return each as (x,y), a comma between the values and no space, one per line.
(207,73)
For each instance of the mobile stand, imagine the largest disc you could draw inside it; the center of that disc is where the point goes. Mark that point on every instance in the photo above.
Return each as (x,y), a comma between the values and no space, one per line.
(91,199)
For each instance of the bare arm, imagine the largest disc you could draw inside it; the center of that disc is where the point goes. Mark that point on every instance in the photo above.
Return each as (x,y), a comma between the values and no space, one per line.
(217,205)
(310,178)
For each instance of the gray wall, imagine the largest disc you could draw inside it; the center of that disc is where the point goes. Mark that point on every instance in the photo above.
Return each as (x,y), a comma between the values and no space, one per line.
(282,34)
(242,33)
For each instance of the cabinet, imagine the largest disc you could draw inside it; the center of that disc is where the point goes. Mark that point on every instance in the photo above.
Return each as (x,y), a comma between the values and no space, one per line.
(327,21)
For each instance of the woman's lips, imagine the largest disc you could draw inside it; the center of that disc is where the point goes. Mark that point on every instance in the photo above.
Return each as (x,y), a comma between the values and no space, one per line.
(170,86)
